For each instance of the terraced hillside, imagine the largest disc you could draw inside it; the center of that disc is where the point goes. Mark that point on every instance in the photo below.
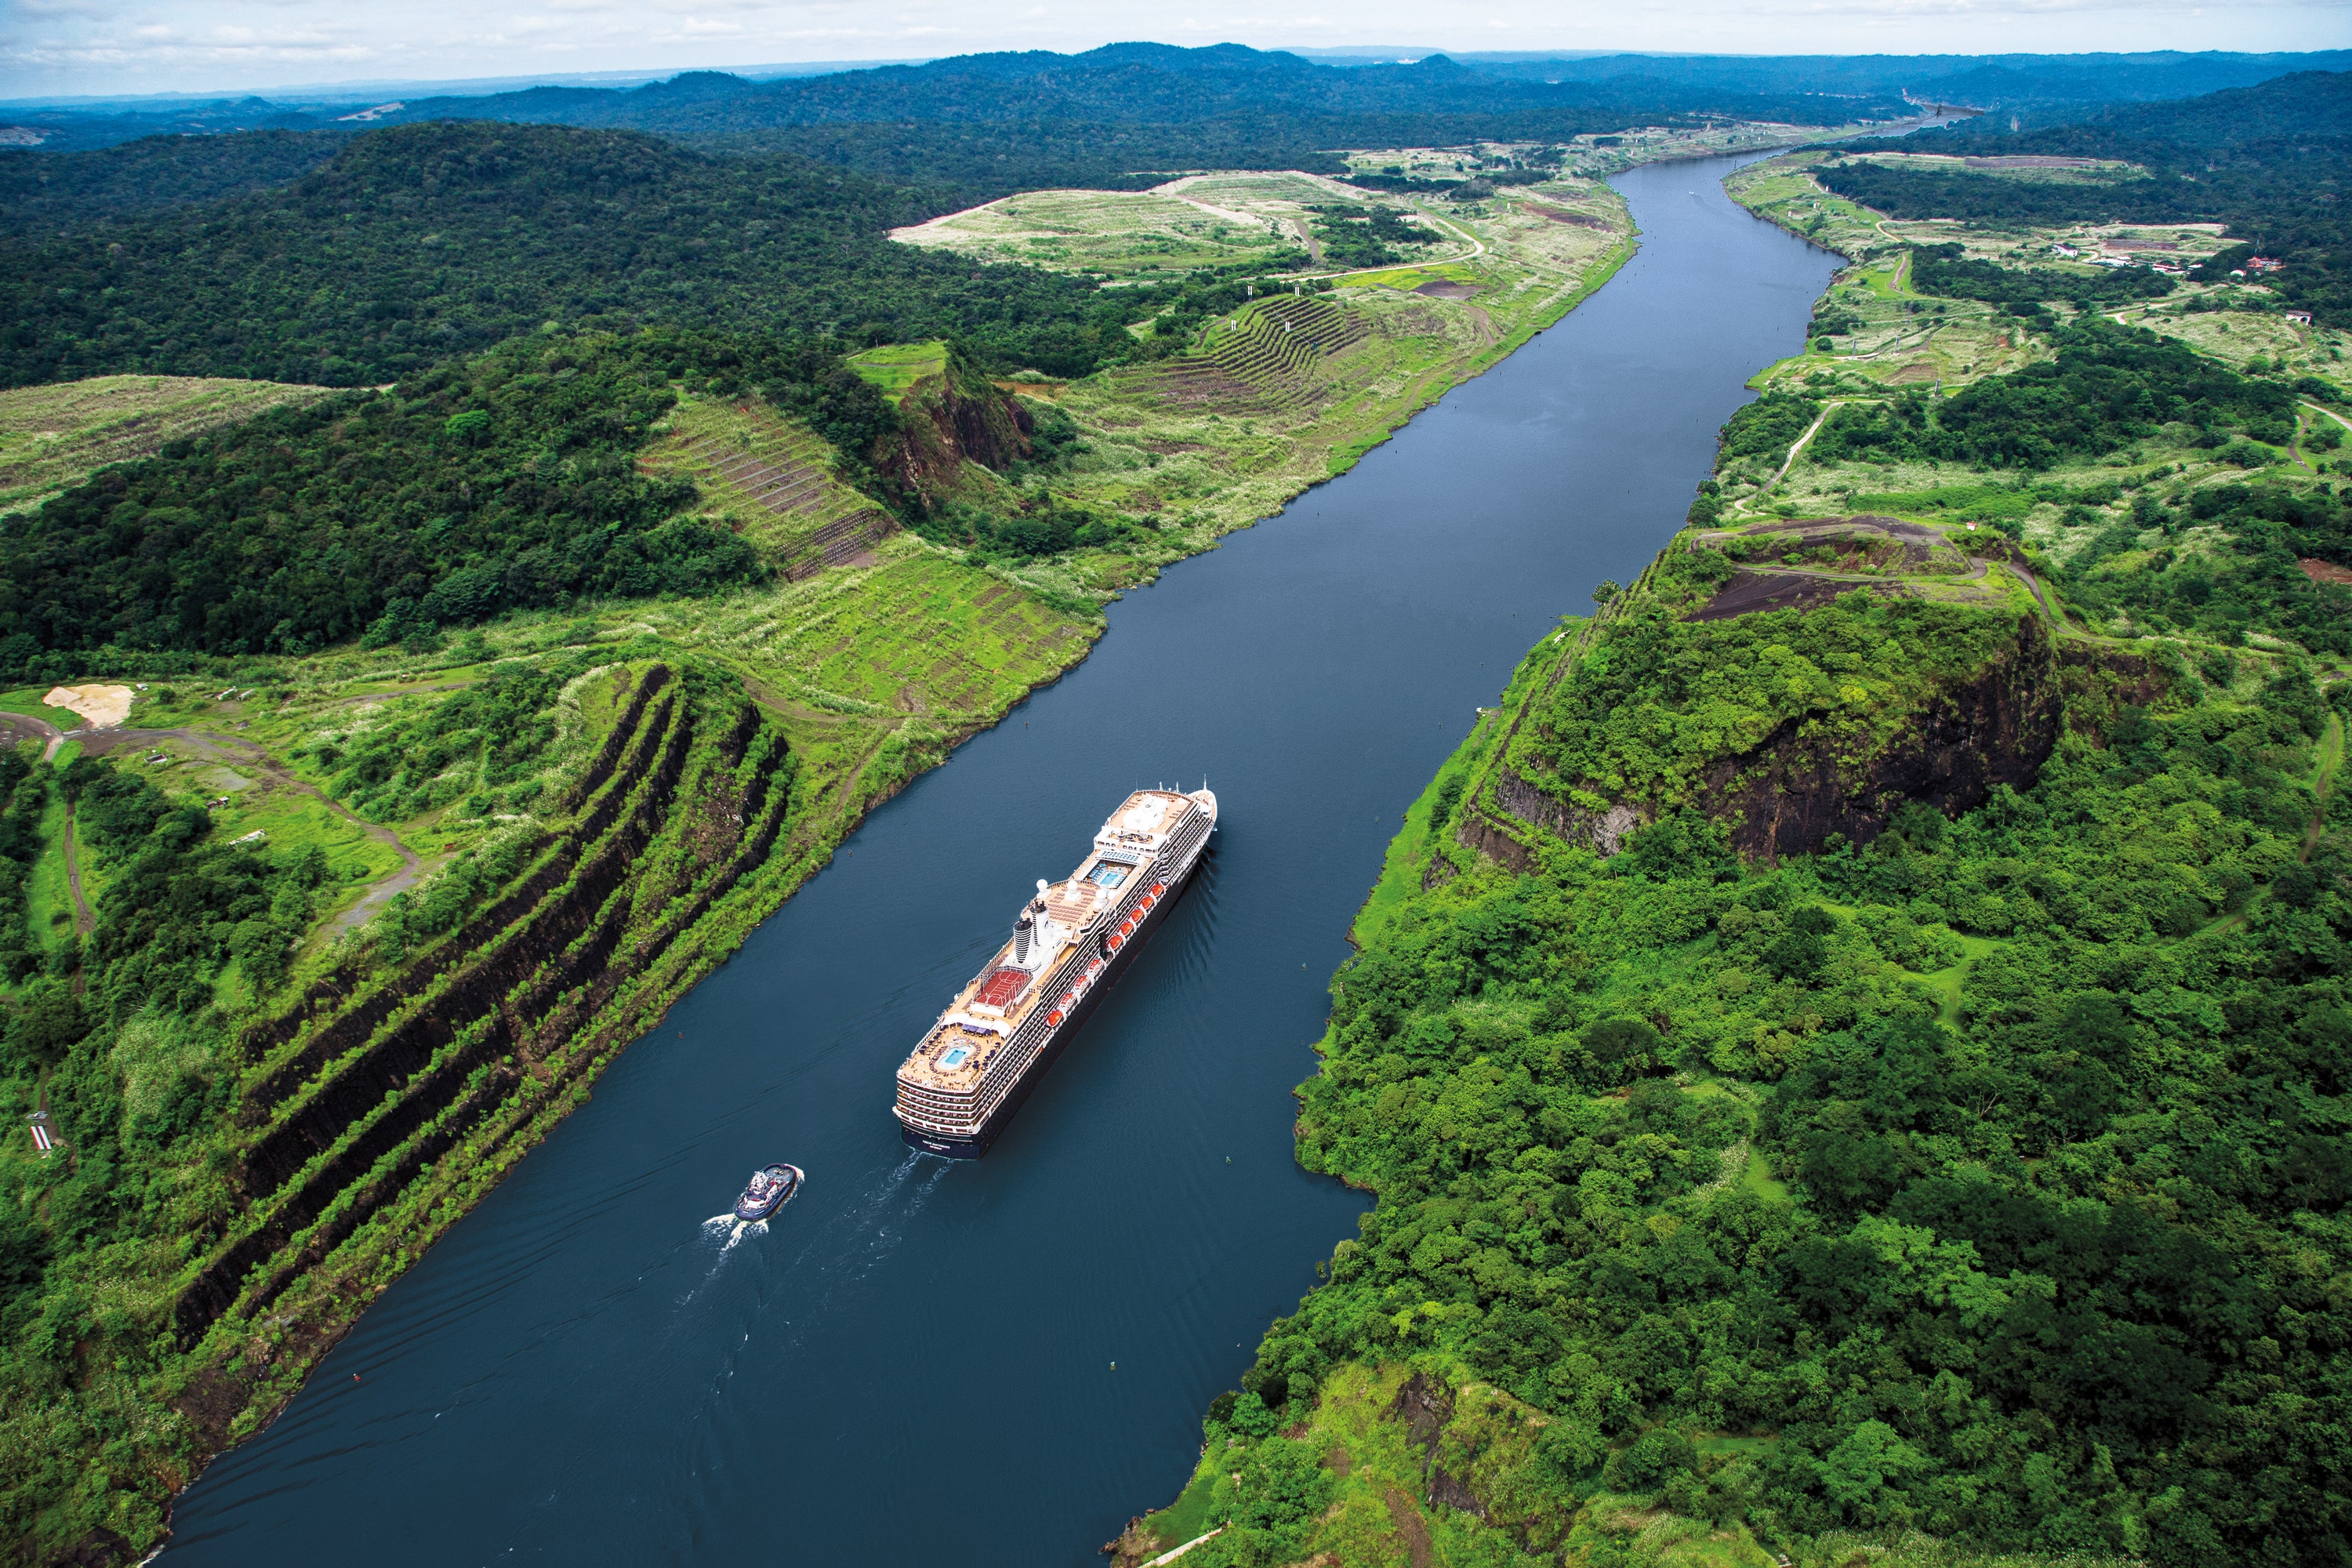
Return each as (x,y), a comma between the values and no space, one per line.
(375,1096)
(1263,357)
(772,481)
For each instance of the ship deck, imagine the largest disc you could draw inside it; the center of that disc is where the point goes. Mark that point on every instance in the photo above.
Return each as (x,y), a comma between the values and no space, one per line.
(956,1052)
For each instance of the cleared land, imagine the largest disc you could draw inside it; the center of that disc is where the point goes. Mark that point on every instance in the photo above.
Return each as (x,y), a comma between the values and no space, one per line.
(1214,220)
(1288,389)
(53,437)
(770,480)
(1899,337)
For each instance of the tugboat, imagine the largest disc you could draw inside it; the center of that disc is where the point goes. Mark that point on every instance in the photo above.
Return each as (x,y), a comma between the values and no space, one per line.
(771,1188)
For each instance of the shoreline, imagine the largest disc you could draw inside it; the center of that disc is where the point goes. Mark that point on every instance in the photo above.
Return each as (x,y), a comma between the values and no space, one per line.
(323,1304)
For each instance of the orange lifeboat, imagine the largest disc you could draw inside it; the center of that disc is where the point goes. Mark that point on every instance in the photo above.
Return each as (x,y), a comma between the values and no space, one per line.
(1053,1018)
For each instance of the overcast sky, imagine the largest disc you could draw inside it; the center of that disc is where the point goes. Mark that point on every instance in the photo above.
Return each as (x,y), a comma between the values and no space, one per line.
(60,46)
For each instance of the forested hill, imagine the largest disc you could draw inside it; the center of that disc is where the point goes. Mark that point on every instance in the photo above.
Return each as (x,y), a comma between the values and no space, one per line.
(418,243)
(1981,79)
(48,192)
(2273,162)
(1150,84)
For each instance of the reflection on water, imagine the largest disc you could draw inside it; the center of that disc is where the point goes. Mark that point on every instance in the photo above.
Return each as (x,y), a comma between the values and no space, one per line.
(914,1363)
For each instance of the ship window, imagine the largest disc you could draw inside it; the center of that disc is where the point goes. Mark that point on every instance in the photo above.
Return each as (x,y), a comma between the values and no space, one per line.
(954,1057)
(1107,876)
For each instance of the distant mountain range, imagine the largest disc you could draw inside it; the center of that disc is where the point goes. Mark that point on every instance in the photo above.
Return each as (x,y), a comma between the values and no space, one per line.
(1157,84)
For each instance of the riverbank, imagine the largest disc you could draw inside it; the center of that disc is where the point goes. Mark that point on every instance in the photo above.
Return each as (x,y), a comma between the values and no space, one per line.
(632,851)
(1879,762)
(1316,671)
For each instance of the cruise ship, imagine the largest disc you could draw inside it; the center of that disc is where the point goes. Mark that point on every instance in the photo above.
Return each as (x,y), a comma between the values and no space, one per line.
(979,1062)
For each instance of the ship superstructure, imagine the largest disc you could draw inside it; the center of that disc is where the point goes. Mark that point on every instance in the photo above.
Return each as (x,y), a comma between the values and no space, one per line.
(975,1065)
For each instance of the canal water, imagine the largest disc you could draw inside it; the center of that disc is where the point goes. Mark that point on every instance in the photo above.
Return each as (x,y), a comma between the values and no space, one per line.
(998,1363)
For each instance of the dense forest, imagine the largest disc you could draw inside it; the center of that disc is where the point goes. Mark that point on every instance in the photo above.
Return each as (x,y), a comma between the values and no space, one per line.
(1942,270)
(51,192)
(419,243)
(1981,79)
(504,481)
(2273,162)
(1099,90)
(1985,1179)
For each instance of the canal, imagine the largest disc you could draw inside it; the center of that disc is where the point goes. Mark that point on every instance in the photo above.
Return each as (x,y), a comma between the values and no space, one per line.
(998,1363)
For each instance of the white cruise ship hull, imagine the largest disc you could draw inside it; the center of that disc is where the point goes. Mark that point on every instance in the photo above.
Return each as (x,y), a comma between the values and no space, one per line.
(936,1119)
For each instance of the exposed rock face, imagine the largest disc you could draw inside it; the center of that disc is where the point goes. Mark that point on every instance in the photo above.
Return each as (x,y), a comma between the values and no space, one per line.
(946,421)
(1424,1405)
(1789,793)
(1601,831)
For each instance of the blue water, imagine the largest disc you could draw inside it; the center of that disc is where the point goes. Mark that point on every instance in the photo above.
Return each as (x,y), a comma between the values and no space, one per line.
(914,1361)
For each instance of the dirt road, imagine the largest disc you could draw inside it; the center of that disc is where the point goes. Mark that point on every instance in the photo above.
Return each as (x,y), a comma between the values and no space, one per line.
(244,753)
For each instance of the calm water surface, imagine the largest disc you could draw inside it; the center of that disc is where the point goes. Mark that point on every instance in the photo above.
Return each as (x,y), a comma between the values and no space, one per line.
(914,1363)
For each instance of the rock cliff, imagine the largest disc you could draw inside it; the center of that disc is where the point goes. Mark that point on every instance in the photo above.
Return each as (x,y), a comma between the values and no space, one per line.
(946,421)
(1789,793)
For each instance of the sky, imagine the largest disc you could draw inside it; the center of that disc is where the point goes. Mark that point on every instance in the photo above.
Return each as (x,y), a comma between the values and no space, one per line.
(55,48)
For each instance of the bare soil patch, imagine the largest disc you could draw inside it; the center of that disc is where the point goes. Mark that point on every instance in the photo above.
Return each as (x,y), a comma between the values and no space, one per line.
(106,707)
(1412,1527)
(2326,572)
(1560,215)
(1751,593)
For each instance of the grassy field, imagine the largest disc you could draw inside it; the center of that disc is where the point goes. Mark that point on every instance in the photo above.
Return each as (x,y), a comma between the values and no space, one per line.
(2240,337)
(53,437)
(895,367)
(27,701)
(1902,339)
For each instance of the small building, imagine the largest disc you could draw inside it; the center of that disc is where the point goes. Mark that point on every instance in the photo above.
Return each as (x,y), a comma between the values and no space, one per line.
(2264,264)
(2299,318)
